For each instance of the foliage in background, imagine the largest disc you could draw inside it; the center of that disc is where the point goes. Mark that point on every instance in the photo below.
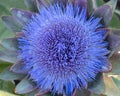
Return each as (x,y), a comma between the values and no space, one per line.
(5,6)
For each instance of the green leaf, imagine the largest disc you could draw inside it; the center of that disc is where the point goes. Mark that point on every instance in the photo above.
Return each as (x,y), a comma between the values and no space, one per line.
(3,66)
(97,86)
(117,81)
(4,32)
(32,93)
(93,4)
(7,86)
(47,94)
(9,76)
(110,87)
(19,68)
(10,44)
(25,86)
(3,10)
(115,22)
(117,12)
(11,23)
(31,4)
(8,56)
(104,11)
(4,93)
(5,6)
(115,31)
(92,94)
(90,6)
(21,16)
(99,2)
(114,41)
(113,3)
(83,93)
(41,3)
(115,61)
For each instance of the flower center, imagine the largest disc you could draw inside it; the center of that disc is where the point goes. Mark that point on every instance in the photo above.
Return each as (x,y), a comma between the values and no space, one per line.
(63,44)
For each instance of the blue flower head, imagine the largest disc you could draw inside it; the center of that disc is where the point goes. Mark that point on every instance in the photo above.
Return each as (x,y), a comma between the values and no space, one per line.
(63,49)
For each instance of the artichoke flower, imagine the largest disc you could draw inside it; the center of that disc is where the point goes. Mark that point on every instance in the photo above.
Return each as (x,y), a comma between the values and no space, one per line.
(62,48)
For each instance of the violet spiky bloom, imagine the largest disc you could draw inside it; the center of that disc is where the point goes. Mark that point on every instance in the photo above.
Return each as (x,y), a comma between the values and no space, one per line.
(63,49)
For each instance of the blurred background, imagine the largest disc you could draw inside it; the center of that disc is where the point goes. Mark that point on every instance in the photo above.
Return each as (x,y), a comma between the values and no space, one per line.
(6,5)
